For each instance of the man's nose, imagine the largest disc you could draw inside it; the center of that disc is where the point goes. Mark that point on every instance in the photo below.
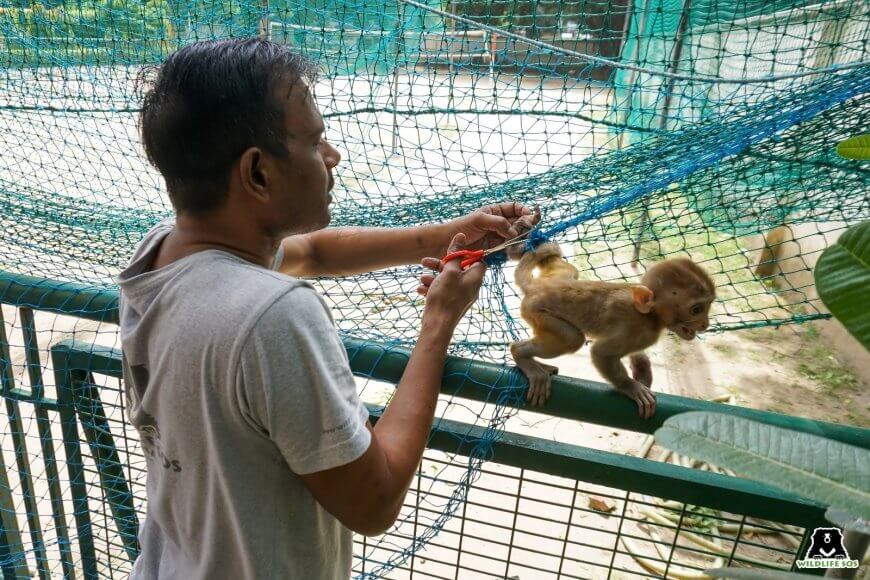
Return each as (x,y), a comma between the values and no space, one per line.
(331,157)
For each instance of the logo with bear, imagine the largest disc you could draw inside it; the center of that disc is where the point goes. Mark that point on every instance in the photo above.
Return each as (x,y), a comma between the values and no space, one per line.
(827,551)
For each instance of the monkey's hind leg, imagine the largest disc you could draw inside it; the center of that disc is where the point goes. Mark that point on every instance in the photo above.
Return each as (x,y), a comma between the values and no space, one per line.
(552,337)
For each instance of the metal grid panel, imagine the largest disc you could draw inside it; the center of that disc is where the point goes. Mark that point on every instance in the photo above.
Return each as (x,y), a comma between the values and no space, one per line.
(72,488)
(518,523)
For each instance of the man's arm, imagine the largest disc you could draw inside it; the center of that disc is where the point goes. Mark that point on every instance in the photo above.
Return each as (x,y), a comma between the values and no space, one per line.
(366,494)
(349,251)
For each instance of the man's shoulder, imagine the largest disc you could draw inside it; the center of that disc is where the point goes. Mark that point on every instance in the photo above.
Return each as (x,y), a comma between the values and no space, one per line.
(261,304)
(249,284)
(252,275)
(295,302)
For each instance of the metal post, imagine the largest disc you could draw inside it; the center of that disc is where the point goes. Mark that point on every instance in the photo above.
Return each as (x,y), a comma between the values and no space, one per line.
(395,100)
(264,31)
(663,121)
(394,89)
(626,27)
(492,49)
(825,56)
(831,38)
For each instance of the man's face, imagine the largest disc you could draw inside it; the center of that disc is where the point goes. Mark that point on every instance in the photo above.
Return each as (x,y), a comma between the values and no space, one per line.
(304,181)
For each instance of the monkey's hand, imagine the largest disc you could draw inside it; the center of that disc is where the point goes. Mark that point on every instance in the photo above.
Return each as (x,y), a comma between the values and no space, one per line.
(643,396)
(539,375)
(641,368)
(523,226)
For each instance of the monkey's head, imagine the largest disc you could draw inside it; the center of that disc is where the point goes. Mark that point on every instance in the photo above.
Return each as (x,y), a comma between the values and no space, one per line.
(679,293)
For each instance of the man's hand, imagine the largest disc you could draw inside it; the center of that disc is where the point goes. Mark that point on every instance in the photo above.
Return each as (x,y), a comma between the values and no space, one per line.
(489,226)
(451,292)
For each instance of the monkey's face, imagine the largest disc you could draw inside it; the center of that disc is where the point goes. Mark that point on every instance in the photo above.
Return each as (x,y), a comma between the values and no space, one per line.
(690,317)
(683,295)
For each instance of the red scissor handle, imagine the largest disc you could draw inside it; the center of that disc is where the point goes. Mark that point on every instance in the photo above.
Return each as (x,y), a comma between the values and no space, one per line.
(468,257)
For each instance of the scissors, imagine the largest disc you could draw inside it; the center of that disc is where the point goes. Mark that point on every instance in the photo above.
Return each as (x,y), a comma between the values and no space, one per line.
(470,257)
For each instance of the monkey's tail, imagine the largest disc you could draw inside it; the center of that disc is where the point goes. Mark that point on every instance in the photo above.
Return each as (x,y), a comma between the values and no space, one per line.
(538,258)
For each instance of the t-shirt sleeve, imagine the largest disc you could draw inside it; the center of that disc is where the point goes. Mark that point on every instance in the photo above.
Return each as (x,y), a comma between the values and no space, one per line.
(297,387)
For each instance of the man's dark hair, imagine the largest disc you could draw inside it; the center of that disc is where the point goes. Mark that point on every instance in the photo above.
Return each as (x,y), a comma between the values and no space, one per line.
(209,102)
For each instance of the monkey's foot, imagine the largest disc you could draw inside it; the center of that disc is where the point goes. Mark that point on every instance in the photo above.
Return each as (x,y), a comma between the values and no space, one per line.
(539,380)
(643,396)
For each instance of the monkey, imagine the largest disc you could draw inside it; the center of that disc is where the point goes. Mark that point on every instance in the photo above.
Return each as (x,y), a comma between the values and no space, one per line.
(621,319)
(774,243)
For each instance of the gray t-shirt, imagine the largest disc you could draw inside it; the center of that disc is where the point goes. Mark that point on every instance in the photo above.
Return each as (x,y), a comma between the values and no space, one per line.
(237,382)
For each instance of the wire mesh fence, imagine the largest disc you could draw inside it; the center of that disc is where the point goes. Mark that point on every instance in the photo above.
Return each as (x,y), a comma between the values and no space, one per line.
(645,129)
(72,483)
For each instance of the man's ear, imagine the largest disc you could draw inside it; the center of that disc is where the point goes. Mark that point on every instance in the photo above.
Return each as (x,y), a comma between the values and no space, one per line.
(253,172)
(643,299)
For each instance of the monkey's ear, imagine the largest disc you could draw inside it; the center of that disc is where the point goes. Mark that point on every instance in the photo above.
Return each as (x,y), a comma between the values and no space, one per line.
(643,299)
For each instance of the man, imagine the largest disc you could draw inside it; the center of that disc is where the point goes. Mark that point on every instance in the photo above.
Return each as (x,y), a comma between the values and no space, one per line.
(261,459)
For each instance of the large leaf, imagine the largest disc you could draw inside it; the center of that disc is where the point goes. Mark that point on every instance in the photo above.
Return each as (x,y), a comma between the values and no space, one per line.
(750,574)
(846,521)
(827,471)
(857,147)
(843,280)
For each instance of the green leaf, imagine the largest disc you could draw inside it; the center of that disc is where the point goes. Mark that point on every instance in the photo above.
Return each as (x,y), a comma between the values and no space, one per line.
(846,521)
(843,278)
(857,147)
(749,574)
(820,469)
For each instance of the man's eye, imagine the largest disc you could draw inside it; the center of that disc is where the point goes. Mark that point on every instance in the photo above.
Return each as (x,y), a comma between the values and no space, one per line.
(697,309)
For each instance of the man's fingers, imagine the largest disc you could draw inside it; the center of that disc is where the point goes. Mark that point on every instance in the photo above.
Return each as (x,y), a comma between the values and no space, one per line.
(477,268)
(427,279)
(495,209)
(511,209)
(457,243)
(495,223)
(431,263)
(475,272)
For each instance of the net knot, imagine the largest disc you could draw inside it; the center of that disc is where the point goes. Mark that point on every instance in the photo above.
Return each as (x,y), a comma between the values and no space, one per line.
(536,238)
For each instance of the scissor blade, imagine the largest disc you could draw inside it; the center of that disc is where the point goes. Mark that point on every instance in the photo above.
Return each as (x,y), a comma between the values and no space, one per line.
(511,242)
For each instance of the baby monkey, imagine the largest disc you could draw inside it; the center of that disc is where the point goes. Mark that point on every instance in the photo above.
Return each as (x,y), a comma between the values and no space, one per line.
(621,319)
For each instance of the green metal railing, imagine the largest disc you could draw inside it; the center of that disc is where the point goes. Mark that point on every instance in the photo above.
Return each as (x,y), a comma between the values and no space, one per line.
(71,504)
